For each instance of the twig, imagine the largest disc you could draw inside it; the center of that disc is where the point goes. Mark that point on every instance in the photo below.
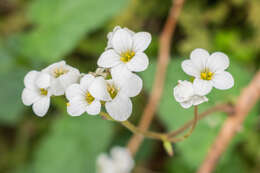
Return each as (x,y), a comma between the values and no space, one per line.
(194,123)
(227,108)
(248,98)
(158,85)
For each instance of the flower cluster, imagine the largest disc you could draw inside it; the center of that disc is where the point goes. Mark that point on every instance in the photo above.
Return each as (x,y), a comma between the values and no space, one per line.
(208,71)
(41,85)
(112,85)
(119,161)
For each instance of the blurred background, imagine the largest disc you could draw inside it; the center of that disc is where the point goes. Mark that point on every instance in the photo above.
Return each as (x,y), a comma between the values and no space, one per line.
(36,33)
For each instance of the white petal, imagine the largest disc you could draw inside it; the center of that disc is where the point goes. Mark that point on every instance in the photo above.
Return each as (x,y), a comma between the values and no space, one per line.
(122,41)
(223,80)
(30,78)
(202,87)
(183,91)
(199,58)
(122,159)
(86,81)
(110,36)
(98,89)
(94,108)
(196,100)
(108,59)
(29,96)
(129,83)
(141,41)
(120,108)
(43,80)
(41,107)
(60,63)
(132,86)
(56,88)
(69,78)
(190,69)
(186,104)
(76,107)
(132,33)
(105,164)
(53,66)
(218,61)
(74,90)
(138,63)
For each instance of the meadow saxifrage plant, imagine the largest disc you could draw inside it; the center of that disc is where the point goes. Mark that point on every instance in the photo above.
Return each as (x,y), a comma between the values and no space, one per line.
(115,82)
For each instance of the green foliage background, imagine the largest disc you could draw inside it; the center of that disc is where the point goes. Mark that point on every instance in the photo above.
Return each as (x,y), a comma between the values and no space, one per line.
(35,33)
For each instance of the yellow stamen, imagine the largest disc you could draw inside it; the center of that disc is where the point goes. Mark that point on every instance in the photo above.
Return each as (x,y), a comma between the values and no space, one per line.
(43,91)
(59,71)
(112,91)
(127,56)
(68,104)
(206,75)
(89,98)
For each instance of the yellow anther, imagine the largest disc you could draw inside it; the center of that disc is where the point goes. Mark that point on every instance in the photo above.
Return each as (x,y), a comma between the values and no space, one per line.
(89,98)
(68,104)
(112,91)
(206,75)
(59,71)
(127,56)
(43,91)
(203,75)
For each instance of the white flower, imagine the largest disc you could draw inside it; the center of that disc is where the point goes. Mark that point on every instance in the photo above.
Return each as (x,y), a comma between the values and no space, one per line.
(187,95)
(126,48)
(120,161)
(37,92)
(111,34)
(208,70)
(86,96)
(62,76)
(123,85)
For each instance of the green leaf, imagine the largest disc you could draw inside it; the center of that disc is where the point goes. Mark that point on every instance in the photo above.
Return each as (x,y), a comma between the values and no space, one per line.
(58,25)
(194,148)
(72,145)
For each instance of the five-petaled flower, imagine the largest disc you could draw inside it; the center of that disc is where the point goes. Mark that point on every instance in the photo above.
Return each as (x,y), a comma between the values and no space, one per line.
(126,48)
(208,71)
(62,76)
(119,161)
(187,95)
(86,96)
(120,88)
(37,92)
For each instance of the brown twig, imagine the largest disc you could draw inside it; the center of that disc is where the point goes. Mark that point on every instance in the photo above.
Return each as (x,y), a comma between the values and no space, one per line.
(164,54)
(226,107)
(248,98)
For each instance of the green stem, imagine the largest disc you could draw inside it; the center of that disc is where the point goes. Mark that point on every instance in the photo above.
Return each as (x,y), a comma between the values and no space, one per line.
(190,131)
(156,135)
(136,130)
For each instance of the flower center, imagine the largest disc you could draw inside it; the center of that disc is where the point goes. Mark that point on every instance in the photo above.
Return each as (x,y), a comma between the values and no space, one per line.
(89,98)
(112,91)
(43,91)
(206,75)
(127,56)
(59,71)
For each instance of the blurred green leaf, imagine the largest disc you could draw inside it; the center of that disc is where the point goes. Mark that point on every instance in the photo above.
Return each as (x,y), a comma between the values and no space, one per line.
(72,145)
(173,115)
(58,25)
(10,94)
(230,42)
(7,60)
